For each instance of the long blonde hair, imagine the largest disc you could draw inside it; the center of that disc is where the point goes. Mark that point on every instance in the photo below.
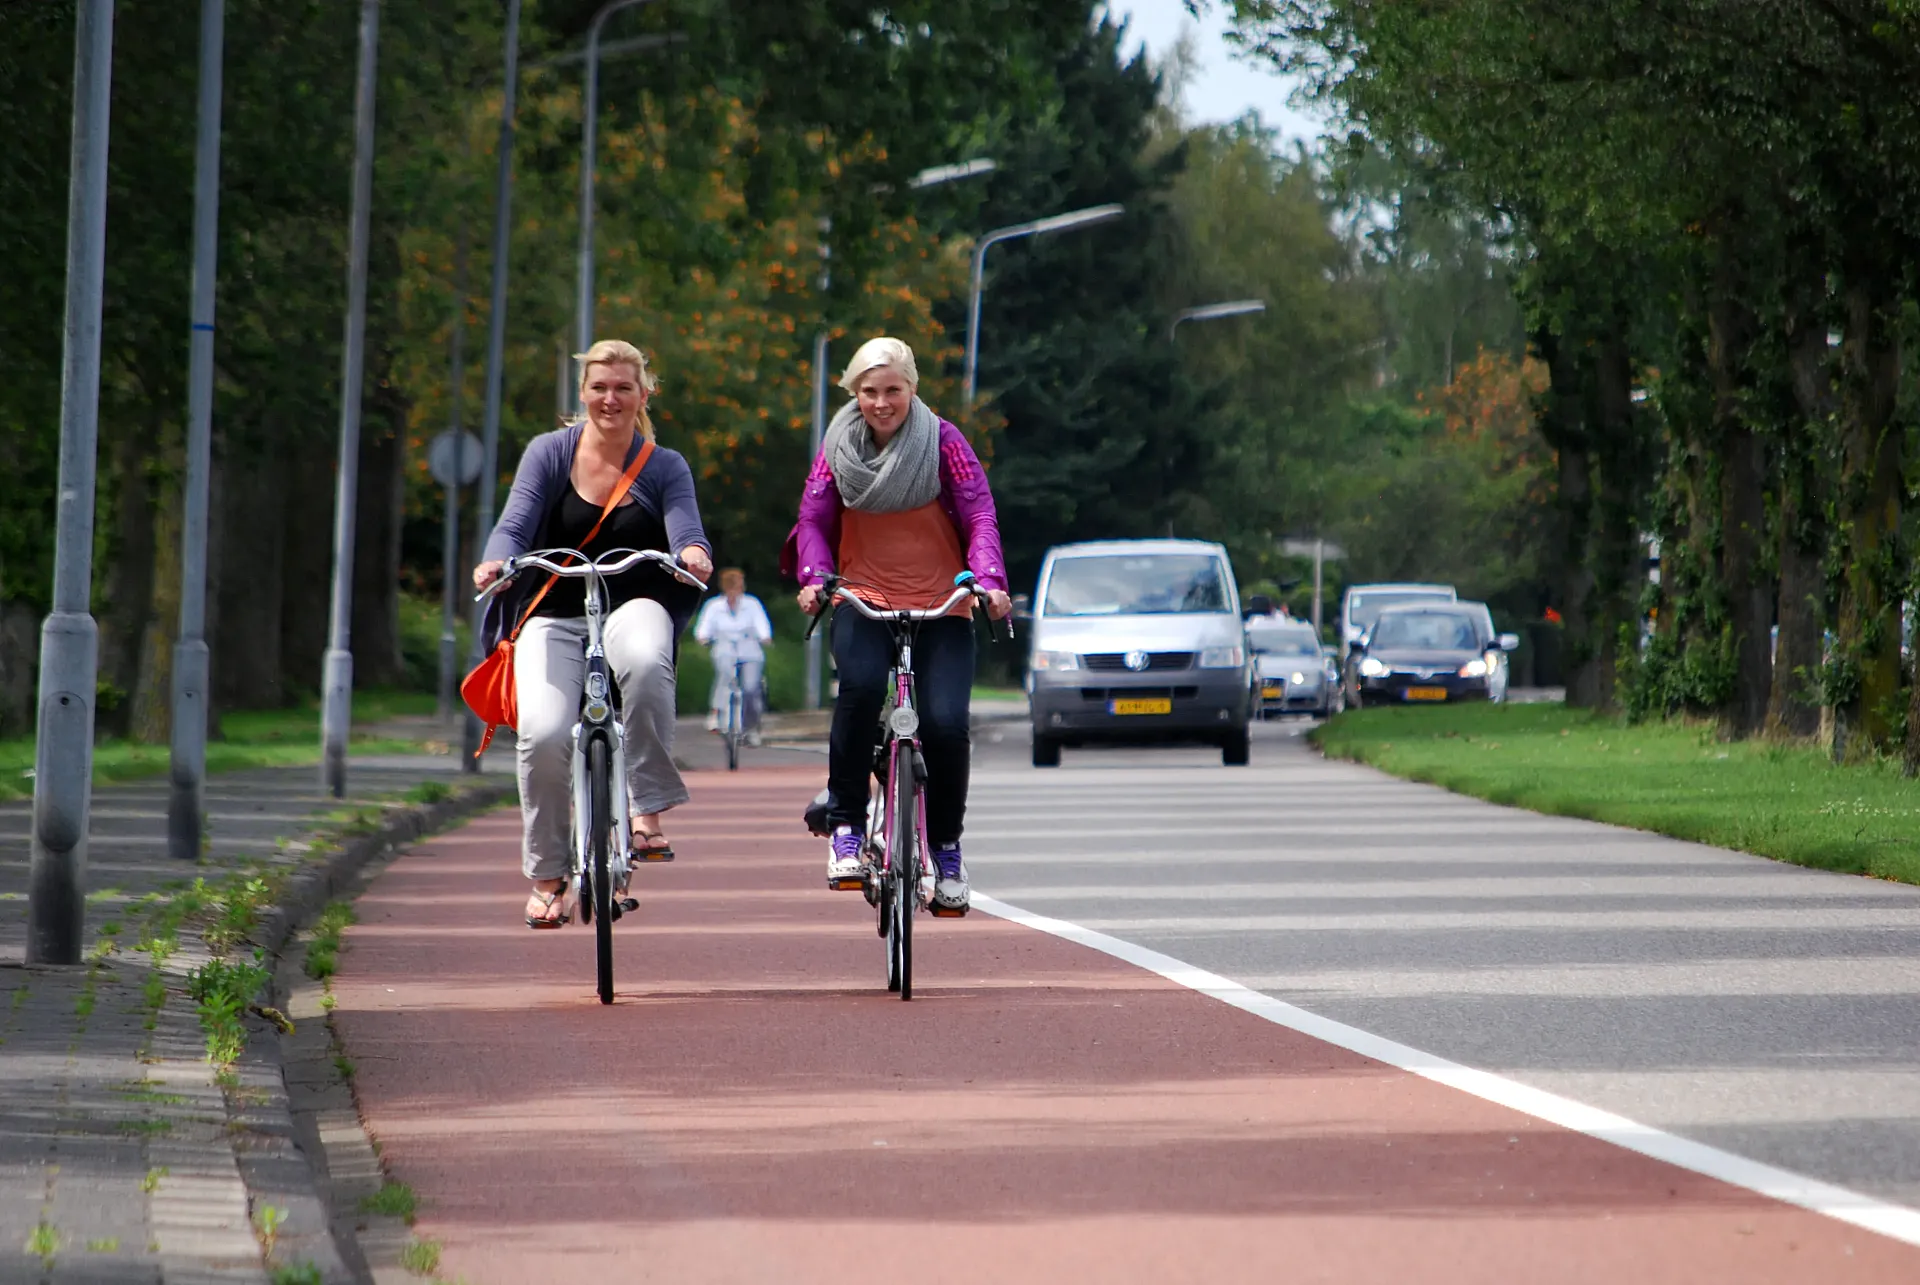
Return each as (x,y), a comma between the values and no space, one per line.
(616,352)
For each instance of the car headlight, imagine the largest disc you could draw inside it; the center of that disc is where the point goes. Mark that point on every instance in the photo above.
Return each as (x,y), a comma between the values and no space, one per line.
(1223,657)
(1056,660)
(1371,668)
(1298,679)
(1475,668)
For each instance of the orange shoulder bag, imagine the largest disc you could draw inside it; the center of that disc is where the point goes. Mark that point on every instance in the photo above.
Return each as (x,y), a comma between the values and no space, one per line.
(489,690)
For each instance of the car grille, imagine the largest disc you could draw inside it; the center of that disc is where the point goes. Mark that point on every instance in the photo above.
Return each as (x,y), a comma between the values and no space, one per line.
(1138,693)
(1116,662)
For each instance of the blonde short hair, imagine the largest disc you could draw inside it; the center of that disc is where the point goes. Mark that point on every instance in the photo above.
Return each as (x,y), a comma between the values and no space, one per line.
(618,352)
(884,351)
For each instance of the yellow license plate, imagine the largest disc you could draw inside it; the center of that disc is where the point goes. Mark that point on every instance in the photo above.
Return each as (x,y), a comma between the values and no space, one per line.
(1160,705)
(1270,693)
(1426,693)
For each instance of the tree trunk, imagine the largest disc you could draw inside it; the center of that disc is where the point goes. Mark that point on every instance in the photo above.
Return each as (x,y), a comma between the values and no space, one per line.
(1743,508)
(125,576)
(1618,560)
(1870,489)
(245,569)
(1562,426)
(152,720)
(1793,707)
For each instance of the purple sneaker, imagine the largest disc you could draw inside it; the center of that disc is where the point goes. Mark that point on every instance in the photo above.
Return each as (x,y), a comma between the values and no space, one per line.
(950,889)
(846,870)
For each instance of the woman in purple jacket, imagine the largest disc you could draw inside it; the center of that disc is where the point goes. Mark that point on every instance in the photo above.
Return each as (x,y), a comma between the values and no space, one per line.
(898,502)
(564,481)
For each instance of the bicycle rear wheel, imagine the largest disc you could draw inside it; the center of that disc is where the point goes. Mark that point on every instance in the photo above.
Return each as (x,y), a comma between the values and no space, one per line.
(734,716)
(903,852)
(599,827)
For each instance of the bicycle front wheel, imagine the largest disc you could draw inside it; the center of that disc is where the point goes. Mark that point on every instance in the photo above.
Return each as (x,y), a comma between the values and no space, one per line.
(903,850)
(599,827)
(734,717)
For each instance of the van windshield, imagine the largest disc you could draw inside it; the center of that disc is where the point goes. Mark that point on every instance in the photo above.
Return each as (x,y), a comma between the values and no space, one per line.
(1151,584)
(1365,608)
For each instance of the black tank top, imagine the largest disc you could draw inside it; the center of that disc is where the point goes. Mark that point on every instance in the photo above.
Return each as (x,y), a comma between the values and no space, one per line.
(629,526)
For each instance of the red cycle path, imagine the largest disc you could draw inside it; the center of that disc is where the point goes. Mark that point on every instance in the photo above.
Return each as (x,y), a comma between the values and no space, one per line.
(756,1107)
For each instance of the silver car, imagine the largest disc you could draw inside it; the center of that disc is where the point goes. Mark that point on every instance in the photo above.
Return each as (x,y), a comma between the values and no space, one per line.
(1296,674)
(1139,641)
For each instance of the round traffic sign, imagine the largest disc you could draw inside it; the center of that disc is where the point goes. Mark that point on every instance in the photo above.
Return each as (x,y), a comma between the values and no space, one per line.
(454,458)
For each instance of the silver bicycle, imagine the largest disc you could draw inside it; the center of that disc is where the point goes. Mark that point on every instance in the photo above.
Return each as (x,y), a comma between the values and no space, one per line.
(602,843)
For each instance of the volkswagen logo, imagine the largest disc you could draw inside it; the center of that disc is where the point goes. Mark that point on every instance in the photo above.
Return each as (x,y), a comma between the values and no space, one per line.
(1136,661)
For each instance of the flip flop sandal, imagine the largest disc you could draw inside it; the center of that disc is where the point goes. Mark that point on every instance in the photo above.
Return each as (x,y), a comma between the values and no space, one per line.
(645,850)
(547,902)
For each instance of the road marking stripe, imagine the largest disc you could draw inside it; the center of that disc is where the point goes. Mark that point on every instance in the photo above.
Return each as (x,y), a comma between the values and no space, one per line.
(1852,1207)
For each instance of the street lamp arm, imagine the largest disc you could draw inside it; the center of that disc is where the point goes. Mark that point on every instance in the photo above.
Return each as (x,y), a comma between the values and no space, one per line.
(1211,311)
(1036,227)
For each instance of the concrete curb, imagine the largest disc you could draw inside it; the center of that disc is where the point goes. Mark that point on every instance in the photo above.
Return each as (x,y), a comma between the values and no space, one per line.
(292,1107)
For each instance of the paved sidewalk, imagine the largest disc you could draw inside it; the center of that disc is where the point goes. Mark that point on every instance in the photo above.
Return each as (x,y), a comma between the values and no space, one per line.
(123,1158)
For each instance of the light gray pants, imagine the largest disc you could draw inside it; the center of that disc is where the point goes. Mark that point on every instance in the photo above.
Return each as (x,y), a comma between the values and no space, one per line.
(723,687)
(549,669)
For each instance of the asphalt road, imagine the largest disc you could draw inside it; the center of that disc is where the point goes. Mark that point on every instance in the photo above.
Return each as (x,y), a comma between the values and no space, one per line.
(1760,1008)
(755,1107)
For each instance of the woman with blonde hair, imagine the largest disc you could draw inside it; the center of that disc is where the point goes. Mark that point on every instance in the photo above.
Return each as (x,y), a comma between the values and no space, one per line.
(561,490)
(898,502)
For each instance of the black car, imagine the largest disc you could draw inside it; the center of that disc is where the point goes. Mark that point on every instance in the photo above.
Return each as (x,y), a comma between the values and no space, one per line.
(1427,653)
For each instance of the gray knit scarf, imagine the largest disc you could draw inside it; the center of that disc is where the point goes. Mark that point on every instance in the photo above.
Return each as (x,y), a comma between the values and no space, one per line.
(905,475)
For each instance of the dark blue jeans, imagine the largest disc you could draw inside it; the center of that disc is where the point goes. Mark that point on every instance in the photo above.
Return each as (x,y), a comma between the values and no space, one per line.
(943,689)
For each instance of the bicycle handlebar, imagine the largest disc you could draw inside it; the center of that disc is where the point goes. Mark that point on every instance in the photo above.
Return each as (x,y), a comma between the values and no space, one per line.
(610,563)
(837,592)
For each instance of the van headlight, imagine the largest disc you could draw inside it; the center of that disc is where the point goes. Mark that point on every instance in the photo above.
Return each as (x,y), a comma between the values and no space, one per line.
(1475,668)
(1371,668)
(1056,660)
(1223,657)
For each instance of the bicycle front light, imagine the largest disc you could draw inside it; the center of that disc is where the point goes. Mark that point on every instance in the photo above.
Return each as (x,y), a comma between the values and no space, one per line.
(1056,660)
(1223,658)
(904,720)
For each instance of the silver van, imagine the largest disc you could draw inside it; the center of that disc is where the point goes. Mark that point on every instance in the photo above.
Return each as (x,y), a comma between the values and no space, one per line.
(1139,641)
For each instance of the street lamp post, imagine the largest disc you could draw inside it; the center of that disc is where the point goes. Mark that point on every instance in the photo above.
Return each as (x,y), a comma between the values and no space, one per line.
(1055,223)
(187,766)
(69,639)
(496,350)
(1214,311)
(583,299)
(336,681)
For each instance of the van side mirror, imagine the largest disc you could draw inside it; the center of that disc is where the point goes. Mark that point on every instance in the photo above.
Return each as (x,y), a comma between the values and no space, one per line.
(1509,642)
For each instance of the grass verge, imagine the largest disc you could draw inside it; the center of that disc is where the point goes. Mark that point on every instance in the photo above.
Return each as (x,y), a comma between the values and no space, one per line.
(1788,802)
(247,739)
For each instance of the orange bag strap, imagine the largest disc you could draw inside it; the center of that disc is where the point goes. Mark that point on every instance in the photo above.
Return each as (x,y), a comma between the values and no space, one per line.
(613,502)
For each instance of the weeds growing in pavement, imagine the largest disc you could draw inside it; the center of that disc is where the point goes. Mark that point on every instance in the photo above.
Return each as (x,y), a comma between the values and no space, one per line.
(43,1242)
(268,1220)
(145,1128)
(222,989)
(429,792)
(151,1183)
(303,1272)
(394,1199)
(104,1245)
(325,945)
(421,1256)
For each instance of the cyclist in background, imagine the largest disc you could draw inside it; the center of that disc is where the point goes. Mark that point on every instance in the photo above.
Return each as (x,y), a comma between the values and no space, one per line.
(898,502)
(564,479)
(734,626)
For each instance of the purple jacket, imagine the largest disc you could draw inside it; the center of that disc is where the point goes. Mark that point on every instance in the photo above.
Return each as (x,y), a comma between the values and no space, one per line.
(810,555)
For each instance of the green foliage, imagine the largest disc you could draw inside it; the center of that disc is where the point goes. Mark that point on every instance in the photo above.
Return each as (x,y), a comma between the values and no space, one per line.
(421,1256)
(222,989)
(394,1199)
(304,1272)
(324,946)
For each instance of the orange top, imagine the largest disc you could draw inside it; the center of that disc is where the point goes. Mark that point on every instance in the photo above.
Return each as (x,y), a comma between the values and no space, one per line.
(905,561)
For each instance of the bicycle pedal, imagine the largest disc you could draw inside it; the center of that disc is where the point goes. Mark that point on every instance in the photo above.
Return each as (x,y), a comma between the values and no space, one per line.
(628,904)
(654,855)
(854,884)
(947,912)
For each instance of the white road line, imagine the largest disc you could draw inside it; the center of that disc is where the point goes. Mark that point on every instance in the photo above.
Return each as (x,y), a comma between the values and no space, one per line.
(1896,1221)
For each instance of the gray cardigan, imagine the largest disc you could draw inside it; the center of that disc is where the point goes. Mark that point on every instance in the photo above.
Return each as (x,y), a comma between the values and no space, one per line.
(664,488)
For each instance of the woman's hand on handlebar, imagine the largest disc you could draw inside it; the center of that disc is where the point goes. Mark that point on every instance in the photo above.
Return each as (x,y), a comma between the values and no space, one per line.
(811,599)
(486,573)
(695,559)
(999,604)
